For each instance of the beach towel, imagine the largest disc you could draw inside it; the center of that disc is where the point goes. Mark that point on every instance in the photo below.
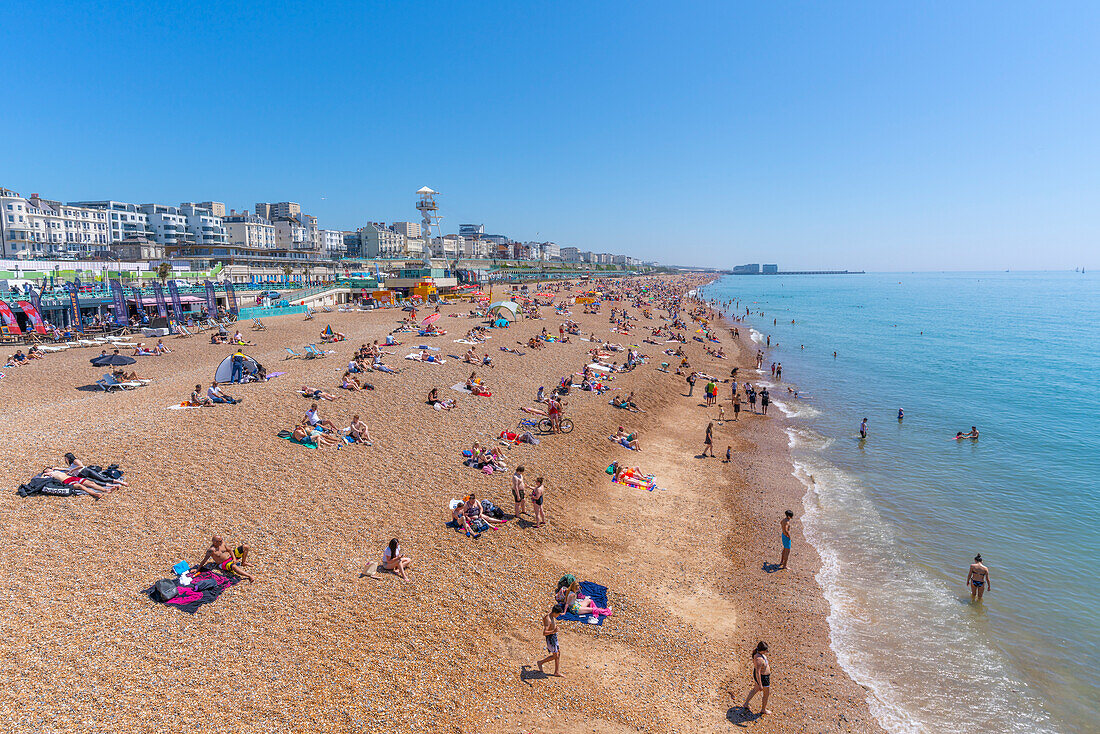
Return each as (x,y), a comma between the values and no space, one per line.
(182,406)
(600,367)
(461,387)
(273,375)
(598,595)
(416,358)
(188,598)
(467,341)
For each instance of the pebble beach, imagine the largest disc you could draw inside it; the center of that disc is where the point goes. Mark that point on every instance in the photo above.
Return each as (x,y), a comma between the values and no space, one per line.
(314,645)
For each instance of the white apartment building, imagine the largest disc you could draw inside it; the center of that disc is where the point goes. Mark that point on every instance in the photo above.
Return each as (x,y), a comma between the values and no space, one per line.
(570,254)
(291,235)
(44,227)
(206,228)
(550,251)
(414,247)
(167,225)
(411,230)
(250,230)
(123,220)
(332,244)
(448,246)
(216,208)
(378,241)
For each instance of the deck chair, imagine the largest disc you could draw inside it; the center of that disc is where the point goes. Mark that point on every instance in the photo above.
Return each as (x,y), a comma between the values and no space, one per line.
(182,331)
(108,381)
(290,353)
(258,325)
(312,350)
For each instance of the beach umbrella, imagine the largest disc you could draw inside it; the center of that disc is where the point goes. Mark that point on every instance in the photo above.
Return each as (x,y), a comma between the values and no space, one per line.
(430,319)
(112,360)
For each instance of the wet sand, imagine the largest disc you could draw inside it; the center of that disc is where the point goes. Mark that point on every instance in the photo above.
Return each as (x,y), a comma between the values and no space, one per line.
(313,646)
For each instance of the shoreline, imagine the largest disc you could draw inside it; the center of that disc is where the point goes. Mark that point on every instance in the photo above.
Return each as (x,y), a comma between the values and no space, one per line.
(321,648)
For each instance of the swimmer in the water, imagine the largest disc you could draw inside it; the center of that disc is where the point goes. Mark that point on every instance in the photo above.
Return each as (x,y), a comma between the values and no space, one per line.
(863,429)
(901,414)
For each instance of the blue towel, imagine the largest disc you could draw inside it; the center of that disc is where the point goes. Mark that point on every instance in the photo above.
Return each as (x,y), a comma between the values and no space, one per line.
(597,594)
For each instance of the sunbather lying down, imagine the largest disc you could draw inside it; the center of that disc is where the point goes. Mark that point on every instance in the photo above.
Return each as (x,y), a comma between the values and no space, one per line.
(316,435)
(315,393)
(95,489)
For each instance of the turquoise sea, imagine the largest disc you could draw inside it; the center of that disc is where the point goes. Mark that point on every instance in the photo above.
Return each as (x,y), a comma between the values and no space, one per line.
(897,518)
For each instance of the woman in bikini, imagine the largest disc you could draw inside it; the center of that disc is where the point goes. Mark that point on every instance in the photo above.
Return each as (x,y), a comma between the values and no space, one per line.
(568,595)
(977,580)
(761,678)
(537,496)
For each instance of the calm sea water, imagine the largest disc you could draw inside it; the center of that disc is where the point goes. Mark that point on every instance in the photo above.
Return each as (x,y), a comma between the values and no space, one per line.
(897,518)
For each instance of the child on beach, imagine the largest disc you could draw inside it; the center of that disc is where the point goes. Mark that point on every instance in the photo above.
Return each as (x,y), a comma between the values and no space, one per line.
(729,454)
(550,633)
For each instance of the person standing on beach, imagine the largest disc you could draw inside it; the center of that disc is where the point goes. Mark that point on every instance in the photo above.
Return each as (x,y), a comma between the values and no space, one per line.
(691,383)
(785,536)
(538,494)
(863,429)
(761,678)
(977,579)
(550,634)
(736,403)
(518,488)
(708,441)
(779,371)
(764,400)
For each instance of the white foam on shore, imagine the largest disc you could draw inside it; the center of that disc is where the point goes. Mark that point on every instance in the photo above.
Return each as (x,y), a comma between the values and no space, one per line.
(796,410)
(757,336)
(896,630)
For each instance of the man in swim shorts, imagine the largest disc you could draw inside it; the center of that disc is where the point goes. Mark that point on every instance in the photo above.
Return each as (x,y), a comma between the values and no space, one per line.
(785,536)
(550,633)
(229,560)
(863,429)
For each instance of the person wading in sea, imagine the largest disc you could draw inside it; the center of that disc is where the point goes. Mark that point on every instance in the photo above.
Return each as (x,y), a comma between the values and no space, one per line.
(978,579)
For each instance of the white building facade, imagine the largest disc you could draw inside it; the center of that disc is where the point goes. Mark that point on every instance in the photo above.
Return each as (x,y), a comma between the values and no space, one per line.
(41,227)
(205,227)
(332,244)
(379,241)
(250,230)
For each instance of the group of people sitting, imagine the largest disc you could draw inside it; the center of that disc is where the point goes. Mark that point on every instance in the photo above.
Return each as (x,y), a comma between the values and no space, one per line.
(141,351)
(569,597)
(328,336)
(471,358)
(213,396)
(221,336)
(475,516)
(19,359)
(368,358)
(477,386)
(322,432)
(626,403)
(477,334)
(488,459)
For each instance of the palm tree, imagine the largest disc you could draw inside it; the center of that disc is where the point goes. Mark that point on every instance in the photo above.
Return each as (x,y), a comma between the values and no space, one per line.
(163,271)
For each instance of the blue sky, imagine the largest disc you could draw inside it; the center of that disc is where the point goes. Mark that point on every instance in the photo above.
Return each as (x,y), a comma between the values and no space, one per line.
(883,136)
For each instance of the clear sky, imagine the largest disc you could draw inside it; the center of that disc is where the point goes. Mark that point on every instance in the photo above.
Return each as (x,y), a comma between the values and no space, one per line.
(882,136)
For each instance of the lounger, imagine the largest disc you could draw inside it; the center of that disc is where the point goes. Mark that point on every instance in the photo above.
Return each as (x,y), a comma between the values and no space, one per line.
(182,332)
(290,353)
(311,349)
(258,325)
(108,381)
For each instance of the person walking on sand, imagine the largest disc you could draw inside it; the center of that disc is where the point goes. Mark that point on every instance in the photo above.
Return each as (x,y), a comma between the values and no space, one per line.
(708,441)
(785,536)
(550,633)
(761,678)
(977,580)
(691,384)
(518,492)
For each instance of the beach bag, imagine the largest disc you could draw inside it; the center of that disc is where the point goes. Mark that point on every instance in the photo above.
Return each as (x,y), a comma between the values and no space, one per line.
(165,589)
(286,434)
(488,469)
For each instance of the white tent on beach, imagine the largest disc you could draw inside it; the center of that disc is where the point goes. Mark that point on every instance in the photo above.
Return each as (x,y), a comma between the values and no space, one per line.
(504,310)
(225,369)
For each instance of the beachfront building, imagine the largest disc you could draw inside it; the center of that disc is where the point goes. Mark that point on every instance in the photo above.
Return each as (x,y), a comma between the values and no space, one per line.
(411,230)
(38,227)
(472,231)
(205,227)
(570,255)
(124,221)
(549,252)
(376,240)
(332,244)
(167,225)
(250,230)
(415,248)
(136,249)
(216,208)
(278,209)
